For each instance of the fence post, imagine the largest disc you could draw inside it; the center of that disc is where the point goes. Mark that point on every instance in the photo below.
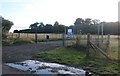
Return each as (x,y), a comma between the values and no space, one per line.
(102,38)
(36,35)
(18,34)
(27,35)
(108,41)
(102,32)
(88,41)
(98,42)
(63,39)
(12,35)
(77,41)
(84,36)
(36,38)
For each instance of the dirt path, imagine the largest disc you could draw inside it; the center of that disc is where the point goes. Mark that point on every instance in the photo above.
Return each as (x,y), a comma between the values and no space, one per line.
(23,52)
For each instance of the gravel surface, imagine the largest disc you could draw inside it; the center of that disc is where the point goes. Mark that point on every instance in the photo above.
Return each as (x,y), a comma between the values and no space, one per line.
(22,52)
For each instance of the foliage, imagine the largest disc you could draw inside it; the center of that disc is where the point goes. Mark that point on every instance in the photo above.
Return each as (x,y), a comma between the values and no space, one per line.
(6,42)
(16,41)
(41,28)
(48,28)
(6,26)
(111,28)
(20,41)
(34,26)
(74,57)
(85,25)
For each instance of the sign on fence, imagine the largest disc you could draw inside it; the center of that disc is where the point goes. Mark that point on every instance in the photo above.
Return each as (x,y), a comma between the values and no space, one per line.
(69,33)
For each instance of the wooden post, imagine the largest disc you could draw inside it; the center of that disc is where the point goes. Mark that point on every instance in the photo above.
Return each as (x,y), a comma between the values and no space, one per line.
(102,32)
(64,36)
(36,35)
(63,39)
(80,37)
(84,37)
(98,35)
(77,40)
(17,35)
(27,35)
(108,42)
(12,35)
(88,41)
(100,50)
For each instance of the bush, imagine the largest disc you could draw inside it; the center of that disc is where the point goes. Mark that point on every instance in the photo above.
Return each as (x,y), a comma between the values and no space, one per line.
(6,42)
(4,36)
(18,41)
(22,41)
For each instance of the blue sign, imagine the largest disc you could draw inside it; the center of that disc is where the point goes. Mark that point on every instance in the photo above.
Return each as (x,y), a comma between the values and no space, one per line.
(69,33)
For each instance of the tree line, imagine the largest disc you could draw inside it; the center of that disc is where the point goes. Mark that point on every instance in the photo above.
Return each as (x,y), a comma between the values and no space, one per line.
(42,28)
(91,26)
(80,25)
(84,26)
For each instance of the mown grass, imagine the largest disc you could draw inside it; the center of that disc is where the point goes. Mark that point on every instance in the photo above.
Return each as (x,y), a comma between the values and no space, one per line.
(74,57)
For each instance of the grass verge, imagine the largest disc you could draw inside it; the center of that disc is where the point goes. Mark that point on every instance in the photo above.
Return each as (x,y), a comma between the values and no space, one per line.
(74,57)
(17,41)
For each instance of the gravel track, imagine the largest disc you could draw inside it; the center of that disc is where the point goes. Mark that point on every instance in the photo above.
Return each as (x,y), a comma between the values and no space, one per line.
(22,52)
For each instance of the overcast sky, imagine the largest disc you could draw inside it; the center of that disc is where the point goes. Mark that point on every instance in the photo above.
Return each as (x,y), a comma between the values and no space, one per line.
(25,12)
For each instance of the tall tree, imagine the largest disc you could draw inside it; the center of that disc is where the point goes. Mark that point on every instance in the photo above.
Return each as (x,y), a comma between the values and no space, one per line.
(78,25)
(87,25)
(6,26)
(41,27)
(88,21)
(56,27)
(34,25)
(41,24)
(48,28)
(56,23)
(61,28)
(94,26)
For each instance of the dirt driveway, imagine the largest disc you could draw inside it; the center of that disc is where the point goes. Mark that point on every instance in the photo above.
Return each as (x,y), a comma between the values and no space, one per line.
(22,52)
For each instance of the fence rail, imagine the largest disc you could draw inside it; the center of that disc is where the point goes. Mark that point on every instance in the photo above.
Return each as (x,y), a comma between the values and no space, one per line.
(102,48)
(94,41)
(53,35)
(99,50)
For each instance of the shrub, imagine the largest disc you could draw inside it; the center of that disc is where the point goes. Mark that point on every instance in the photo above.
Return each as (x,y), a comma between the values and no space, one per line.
(6,42)
(22,41)
(17,41)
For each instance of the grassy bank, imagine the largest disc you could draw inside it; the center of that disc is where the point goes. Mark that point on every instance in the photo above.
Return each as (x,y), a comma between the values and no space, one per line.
(15,41)
(74,57)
